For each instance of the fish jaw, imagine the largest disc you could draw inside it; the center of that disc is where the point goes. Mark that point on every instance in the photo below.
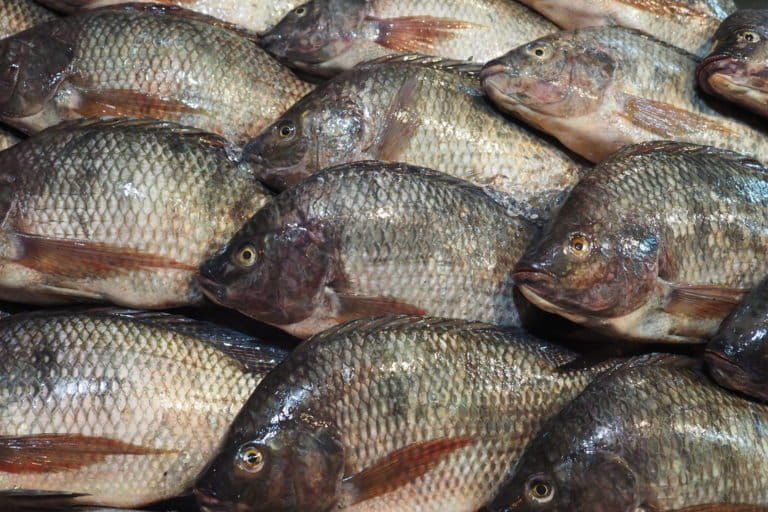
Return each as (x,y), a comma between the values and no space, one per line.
(540,288)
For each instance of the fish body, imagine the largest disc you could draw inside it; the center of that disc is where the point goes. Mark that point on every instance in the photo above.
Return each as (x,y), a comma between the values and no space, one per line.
(116,408)
(687,24)
(392,414)
(657,436)
(19,15)
(658,243)
(258,15)
(328,36)
(737,67)
(419,110)
(599,89)
(7,139)
(121,211)
(143,61)
(368,239)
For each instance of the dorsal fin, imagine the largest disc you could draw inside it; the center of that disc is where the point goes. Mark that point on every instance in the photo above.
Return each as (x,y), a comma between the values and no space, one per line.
(672,147)
(640,34)
(466,68)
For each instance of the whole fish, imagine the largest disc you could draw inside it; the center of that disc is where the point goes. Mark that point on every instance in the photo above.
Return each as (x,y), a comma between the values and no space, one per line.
(142,61)
(116,408)
(737,67)
(419,110)
(598,89)
(19,15)
(393,414)
(7,139)
(327,36)
(687,24)
(738,355)
(122,211)
(255,15)
(368,239)
(651,436)
(658,243)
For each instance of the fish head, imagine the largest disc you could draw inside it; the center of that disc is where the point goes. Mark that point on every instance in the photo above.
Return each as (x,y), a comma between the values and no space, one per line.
(591,262)
(275,269)
(557,76)
(316,32)
(738,63)
(322,130)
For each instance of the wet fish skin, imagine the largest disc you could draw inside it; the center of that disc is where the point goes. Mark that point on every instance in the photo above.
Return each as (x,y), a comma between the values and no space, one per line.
(129,387)
(460,398)
(736,68)
(654,436)
(122,211)
(687,24)
(141,60)
(368,239)
(419,110)
(325,37)
(258,16)
(599,89)
(658,243)
(19,15)
(7,139)
(736,356)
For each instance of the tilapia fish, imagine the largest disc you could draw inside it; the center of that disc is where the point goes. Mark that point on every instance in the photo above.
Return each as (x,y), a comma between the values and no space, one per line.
(19,15)
(254,15)
(660,242)
(142,61)
(7,139)
(737,67)
(116,408)
(398,414)
(738,355)
(119,211)
(652,436)
(419,110)
(687,24)
(328,36)
(367,239)
(598,89)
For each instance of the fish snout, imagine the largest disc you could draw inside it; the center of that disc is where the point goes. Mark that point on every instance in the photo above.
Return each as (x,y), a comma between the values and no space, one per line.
(717,63)
(207,279)
(274,43)
(500,82)
(208,502)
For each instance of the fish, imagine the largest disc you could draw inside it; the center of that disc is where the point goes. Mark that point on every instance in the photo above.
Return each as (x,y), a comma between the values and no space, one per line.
(120,211)
(424,111)
(659,243)
(391,414)
(143,60)
(7,139)
(687,24)
(369,239)
(736,68)
(655,434)
(599,89)
(117,408)
(257,16)
(736,355)
(325,37)
(19,15)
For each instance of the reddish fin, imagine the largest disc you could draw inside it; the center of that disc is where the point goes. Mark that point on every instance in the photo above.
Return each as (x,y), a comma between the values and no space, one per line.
(669,8)
(79,258)
(53,453)
(354,307)
(418,34)
(703,301)
(401,467)
(723,507)
(667,120)
(400,122)
(126,103)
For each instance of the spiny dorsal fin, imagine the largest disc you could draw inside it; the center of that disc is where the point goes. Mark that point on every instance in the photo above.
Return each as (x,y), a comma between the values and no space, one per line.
(678,148)
(467,68)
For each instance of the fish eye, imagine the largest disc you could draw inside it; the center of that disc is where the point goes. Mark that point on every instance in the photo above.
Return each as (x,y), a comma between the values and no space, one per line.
(286,130)
(579,244)
(250,458)
(539,51)
(246,256)
(300,11)
(749,36)
(539,490)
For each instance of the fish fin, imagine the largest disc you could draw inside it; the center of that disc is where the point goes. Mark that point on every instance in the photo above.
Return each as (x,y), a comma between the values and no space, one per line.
(666,120)
(723,507)
(29,500)
(55,453)
(80,258)
(353,307)
(400,122)
(670,8)
(418,34)
(401,467)
(127,103)
(703,301)
(471,69)
(671,147)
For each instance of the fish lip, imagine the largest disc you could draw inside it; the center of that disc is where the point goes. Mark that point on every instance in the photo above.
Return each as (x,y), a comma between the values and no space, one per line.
(215,291)
(522,275)
(492,68)
(210,503)
(711,65)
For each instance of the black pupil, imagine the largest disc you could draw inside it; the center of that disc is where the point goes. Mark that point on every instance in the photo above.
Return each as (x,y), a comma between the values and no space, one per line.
(286,131)
(539,52)
(252,458)
(247,254)
(750,37)
(579,246)
(541,490)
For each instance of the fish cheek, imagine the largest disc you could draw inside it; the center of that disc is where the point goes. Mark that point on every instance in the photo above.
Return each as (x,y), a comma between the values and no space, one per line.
(592,72)
(606,479)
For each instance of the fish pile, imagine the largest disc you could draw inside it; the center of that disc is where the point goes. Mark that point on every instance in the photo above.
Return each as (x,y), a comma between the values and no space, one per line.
(378,256)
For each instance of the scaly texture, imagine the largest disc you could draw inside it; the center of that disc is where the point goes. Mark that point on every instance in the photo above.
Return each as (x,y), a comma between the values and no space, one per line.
(373,387)
(19,15)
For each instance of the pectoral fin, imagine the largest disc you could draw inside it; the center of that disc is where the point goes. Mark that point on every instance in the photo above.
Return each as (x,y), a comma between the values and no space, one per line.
(666,120)
(400,122)
(353,307)
(420,34)
(127,103)
(703,301)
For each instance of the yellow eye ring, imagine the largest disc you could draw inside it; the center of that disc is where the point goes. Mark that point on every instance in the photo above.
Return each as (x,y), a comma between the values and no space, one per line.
(301,11)
(579,245)
(540,52)
(246,256)
(250,458)
(749,36)
(540,490)
(286,130)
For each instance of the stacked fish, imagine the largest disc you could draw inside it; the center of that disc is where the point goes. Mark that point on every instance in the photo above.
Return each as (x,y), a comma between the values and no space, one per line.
(430,255)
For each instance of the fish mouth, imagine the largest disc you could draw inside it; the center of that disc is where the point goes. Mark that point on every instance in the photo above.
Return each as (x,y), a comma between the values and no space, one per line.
(728,373)
(215,291)
(540,288)
(210,503)
(498,84)
(718,63)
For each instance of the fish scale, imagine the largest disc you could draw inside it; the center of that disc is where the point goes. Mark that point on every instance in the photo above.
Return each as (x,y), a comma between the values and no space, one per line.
(19,15)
